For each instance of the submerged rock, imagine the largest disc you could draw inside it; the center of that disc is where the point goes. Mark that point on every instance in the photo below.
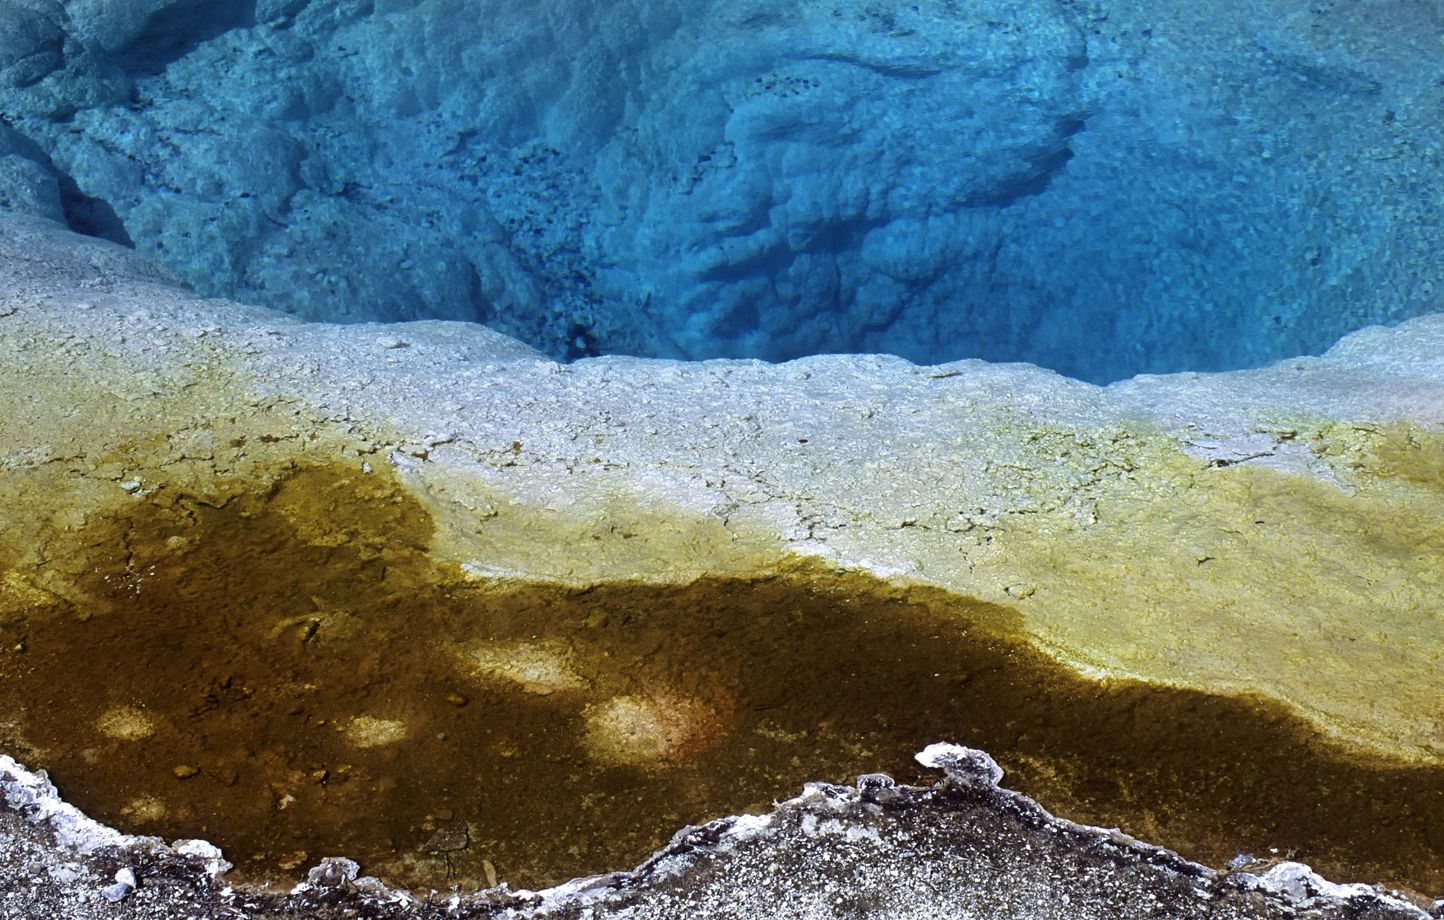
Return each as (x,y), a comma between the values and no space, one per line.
(1208,187)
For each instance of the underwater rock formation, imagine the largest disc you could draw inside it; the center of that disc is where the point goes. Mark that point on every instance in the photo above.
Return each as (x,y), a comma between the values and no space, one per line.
(1100,188)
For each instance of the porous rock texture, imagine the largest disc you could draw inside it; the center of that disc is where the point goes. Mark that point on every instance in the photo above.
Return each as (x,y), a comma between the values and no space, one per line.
(1271,531)
(963,848)
(1204,186)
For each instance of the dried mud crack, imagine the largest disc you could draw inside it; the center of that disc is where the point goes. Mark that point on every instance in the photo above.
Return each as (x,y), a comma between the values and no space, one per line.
(285,671)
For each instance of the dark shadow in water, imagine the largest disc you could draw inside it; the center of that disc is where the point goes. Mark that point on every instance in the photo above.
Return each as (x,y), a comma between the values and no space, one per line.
(175,30)
(289,676)
(91,216)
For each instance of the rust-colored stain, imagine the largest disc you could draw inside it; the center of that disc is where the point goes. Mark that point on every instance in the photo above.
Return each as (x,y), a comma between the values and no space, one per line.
(288,674)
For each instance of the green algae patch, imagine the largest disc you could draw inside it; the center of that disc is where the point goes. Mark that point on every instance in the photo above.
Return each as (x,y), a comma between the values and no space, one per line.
(1243,578)
(286,671)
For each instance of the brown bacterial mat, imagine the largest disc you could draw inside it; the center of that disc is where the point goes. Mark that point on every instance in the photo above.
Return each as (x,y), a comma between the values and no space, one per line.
(286,673)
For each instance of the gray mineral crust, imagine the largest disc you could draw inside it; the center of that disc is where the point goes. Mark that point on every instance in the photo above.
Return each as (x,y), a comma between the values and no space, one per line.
(962,848)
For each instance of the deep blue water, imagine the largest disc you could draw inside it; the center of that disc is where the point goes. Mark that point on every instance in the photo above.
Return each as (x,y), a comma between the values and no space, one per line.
(1103,188)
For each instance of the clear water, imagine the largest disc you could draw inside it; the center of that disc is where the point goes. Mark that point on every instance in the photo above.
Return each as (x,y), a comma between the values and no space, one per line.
(1103,188)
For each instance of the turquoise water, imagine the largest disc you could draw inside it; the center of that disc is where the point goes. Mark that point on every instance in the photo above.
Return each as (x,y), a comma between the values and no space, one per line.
(1103,188)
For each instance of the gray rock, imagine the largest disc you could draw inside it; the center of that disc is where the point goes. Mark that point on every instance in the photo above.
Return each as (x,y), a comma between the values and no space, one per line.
(26,186)
(157,28)
(29,188)
(960,848)
(30,44)
(124,885)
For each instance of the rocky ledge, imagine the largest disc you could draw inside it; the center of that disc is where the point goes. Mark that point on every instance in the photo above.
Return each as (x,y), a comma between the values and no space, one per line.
(1270,535)
(964,847)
